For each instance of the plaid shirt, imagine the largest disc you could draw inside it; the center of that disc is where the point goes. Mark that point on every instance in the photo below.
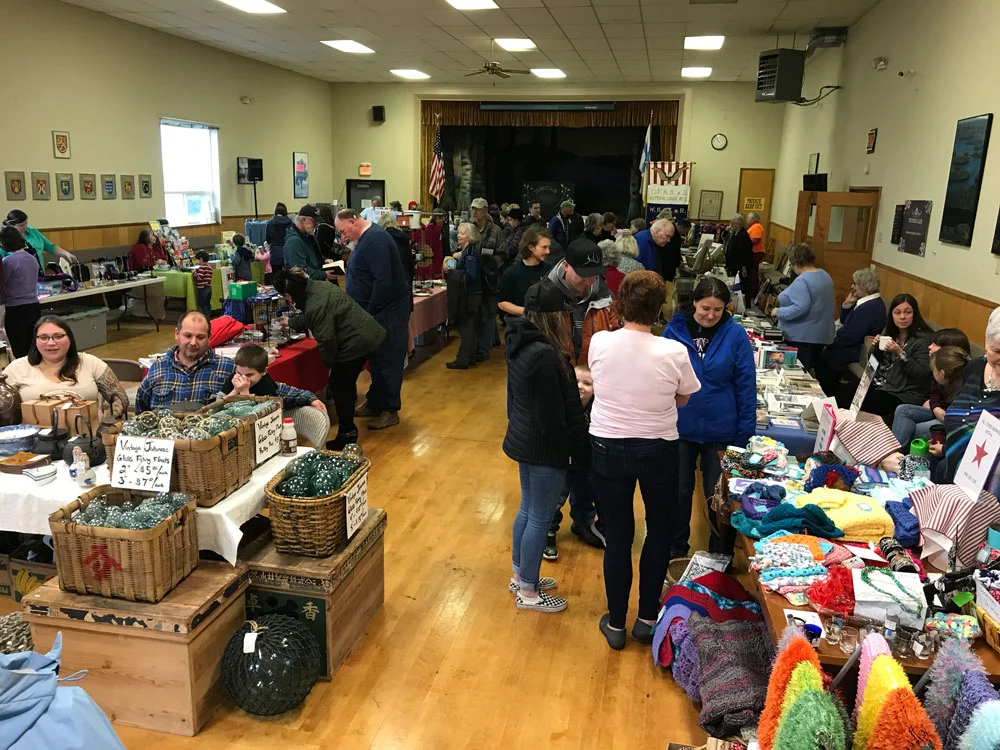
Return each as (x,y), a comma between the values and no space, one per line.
(168,381)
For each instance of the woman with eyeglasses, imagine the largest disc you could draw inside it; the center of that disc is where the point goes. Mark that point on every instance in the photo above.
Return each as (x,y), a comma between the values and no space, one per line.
(53,365)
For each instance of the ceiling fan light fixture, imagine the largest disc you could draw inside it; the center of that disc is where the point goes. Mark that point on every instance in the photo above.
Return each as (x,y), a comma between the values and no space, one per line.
(472,4)
(349,45)
(548,73)
(409,73)
(515,45)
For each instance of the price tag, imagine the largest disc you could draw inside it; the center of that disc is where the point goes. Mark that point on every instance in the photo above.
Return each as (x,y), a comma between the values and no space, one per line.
(267,436)
(249,642)
(356,506)
(142,463)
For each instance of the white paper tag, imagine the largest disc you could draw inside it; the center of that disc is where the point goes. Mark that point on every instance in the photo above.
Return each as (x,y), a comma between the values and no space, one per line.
(250,642)
(142,463)
(356,506)
(267,436)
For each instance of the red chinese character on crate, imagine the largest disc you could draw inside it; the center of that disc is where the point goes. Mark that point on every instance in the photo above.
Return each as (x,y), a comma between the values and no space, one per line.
(100,562)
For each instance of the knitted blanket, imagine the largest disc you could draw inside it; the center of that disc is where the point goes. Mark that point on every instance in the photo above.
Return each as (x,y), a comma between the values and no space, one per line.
(861,518)
(733,665)
(685,666)
(786,517)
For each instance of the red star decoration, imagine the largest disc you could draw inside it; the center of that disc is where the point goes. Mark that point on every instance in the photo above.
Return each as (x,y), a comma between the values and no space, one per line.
(981,453)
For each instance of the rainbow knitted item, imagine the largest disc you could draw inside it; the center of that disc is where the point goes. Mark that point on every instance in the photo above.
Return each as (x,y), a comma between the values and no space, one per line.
(812,722)
(873,645)
(984,728)
(946,673)
(885,675)
(795,651)
(902,724)
(975,690)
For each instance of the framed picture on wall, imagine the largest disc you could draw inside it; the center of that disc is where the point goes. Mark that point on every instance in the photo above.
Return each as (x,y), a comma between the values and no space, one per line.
(88,186)
(128,187)
(710,205)
(109,188)
(145,186)
(300,174)
(14,182)
(965,179)
(872,137)
(41,189)
(64,186)
(60,144)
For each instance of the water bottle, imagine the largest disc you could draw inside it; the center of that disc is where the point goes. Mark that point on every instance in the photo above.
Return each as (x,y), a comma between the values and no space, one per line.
(921,458)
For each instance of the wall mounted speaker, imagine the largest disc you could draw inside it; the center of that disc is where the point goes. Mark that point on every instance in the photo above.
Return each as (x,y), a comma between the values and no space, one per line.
(378,113)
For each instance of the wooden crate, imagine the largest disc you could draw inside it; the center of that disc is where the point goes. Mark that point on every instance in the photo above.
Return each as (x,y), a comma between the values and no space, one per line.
(27,576)
(336,597)
(6,579)
(155,666)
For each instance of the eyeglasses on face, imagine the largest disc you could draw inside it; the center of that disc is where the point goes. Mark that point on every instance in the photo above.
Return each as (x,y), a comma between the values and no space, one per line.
(46,338)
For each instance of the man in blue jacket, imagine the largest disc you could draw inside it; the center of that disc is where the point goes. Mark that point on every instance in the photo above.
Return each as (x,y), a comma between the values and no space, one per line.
(301,250)
(377,281)
(723,412)
(566,225)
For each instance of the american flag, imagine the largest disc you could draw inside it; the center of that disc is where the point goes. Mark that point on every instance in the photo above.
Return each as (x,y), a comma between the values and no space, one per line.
(436,186)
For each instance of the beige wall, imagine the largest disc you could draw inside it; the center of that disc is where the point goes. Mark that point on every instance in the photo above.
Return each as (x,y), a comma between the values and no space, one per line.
(108,82)
(808,130)
(754,130)
(951,50)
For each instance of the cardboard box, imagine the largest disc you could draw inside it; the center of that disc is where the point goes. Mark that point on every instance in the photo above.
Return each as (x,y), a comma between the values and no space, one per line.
(27,576)
(6,579)
(155,666)
(39,412)
(242,290)
(336,597)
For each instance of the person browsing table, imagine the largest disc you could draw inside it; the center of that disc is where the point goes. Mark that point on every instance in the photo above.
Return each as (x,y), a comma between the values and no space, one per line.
(189,371)
(20,291)
(526,271)
(38,243)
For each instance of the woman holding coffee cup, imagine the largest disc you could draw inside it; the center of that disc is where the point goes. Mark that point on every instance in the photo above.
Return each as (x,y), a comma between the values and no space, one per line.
(904,374)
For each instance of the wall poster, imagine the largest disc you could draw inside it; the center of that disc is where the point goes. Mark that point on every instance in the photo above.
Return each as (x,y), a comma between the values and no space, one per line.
(965,180)
(913,231)
(300,173)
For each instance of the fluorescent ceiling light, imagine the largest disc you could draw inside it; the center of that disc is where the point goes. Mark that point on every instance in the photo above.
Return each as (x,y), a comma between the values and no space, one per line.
(413,75)
(548,72)
(704,42)
(515,45)
(349,45)
(254,6)
(472,4)
(696,72)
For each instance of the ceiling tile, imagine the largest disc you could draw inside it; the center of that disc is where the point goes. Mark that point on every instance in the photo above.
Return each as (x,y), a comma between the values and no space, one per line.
(624,31)
(583,32)
(619,14)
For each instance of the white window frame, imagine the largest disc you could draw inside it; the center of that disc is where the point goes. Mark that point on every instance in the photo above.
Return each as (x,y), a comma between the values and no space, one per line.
(207,192)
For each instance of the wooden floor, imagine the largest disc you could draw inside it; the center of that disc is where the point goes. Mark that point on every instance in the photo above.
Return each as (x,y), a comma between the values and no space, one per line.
(449,662)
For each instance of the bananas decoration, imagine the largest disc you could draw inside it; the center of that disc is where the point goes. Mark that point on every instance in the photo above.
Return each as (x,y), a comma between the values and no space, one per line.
(25,583)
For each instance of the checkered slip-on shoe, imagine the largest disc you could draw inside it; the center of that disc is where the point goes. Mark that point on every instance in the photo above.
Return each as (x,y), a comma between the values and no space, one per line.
(544,603)
(544,584)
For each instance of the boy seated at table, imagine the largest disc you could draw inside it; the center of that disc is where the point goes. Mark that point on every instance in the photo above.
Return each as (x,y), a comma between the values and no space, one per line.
(251,379)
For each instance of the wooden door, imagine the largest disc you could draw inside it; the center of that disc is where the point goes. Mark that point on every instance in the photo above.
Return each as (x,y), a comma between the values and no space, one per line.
(756,191)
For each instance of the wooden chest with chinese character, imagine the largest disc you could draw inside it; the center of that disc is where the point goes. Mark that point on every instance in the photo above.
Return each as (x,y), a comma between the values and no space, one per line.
(155,666)
(336,597)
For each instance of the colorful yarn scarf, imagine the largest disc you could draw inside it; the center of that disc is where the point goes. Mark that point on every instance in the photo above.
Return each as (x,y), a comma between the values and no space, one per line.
(795,651)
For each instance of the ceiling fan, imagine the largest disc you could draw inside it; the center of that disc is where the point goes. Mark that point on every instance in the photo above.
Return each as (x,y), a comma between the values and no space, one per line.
(493,68)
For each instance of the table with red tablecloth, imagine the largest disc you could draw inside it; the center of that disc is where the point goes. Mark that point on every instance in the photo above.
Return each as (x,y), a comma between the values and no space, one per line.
(298,364)
(428,312)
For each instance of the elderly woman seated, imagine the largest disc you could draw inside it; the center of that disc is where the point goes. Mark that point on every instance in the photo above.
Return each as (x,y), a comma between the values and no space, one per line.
(861,315)
(53,365)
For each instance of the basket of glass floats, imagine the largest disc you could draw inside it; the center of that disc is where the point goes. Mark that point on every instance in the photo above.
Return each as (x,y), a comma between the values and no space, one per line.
(307,500)
(125,544)
(256,410)
(212,452)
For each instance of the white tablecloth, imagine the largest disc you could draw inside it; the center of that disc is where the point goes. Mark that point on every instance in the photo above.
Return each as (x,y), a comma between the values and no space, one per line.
(26,506)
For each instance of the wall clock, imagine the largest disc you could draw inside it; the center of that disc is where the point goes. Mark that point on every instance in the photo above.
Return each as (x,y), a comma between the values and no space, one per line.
(719,141)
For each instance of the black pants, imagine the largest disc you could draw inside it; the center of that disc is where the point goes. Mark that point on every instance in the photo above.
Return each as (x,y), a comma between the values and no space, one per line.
(343,390)
(808,353)
(19,322)
(704,456)
(828,377)
(617,465)
(471,330)
(881,403)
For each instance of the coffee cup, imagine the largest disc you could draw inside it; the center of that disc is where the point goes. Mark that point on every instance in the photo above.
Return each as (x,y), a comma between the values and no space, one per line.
(883,342)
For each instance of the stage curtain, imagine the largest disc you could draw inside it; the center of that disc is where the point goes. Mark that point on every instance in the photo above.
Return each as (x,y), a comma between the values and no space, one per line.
(625,114)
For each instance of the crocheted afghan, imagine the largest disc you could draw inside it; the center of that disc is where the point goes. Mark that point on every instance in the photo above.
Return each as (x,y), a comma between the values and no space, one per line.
(812,722)
(733,662)
(984,729)
(975,690)
(786,517)
(902,724)
(685,665)
(796,650)
(861,518)
(953,660)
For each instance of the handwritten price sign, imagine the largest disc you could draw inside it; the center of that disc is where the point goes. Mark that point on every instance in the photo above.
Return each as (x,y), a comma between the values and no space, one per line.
(356,506)
(267,436)
(142,464)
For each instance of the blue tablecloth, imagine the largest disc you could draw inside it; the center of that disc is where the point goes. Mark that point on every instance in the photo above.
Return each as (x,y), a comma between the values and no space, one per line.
(795,439)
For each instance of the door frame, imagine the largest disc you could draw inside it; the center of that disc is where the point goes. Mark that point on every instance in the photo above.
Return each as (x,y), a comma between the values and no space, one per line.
(739,192)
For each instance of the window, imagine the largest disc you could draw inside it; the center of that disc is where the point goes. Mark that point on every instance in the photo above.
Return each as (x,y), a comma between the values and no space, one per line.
(190,153)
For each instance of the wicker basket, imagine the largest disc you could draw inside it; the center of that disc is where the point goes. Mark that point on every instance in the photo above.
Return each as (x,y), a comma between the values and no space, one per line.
(252,419)
(990,628)
(137,565)
(209,469)
(311,526)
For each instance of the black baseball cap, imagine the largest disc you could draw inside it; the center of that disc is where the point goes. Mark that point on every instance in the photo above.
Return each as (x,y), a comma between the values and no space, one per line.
(544,297)
(309,211)
(585,258)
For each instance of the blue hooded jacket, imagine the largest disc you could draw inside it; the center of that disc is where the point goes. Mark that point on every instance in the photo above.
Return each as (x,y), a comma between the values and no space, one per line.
(36,713)
(725,409)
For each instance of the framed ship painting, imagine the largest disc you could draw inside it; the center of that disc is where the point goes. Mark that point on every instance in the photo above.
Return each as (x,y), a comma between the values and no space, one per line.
(965,180)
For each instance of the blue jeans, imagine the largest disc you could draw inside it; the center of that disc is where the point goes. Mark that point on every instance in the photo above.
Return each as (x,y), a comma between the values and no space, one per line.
(204,297)
(581,501)
(617,465)
(386,362)
(541,493)
(692,454)
(912,421)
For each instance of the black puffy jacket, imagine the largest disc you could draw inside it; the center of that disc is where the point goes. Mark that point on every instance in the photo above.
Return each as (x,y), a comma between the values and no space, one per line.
(545,423)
